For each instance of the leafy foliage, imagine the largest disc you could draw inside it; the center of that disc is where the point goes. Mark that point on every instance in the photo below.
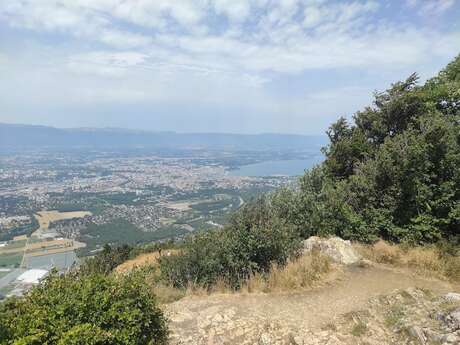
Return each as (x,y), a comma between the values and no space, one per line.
(254,240)
(84,309)
(109,258)
(395,173)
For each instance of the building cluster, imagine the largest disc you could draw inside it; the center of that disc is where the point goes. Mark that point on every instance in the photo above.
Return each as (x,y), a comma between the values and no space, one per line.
(13,222)
(135,188)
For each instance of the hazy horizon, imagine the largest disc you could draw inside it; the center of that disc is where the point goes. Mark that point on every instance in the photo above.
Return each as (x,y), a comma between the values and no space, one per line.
(241,66)
(160,131)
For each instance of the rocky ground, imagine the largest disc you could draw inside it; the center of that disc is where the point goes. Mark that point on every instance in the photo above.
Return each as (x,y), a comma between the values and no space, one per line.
(367,305)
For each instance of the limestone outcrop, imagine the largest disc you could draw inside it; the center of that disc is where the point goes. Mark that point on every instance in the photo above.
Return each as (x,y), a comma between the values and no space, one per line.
(339,250)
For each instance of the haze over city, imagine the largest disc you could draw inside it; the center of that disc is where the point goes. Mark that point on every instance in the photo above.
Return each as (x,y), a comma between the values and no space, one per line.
(213,66)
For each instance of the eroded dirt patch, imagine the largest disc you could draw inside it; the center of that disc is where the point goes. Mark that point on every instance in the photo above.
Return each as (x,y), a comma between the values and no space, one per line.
(294,318)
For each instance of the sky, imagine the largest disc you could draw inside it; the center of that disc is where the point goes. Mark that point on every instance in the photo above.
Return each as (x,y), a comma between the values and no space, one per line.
(240,66)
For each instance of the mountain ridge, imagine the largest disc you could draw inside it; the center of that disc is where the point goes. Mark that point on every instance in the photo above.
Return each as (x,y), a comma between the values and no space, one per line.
(23,136)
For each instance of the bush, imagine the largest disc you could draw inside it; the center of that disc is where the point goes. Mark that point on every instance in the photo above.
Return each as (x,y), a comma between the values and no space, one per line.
(84,309)
(251,243)
(105,261)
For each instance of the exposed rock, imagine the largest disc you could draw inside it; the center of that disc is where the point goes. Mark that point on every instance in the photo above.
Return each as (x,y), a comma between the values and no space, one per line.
(296,340)
(337,249)
(407,315)
(453,320)
(452,297)
(450,339)
(417,333)
(265,339)
(433,336)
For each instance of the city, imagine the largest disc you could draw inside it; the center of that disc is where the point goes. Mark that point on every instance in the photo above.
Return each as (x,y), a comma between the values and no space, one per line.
(58,207)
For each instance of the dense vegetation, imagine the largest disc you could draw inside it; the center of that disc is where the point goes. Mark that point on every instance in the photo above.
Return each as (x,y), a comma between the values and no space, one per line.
(84,309)
(392,174)
(250,243)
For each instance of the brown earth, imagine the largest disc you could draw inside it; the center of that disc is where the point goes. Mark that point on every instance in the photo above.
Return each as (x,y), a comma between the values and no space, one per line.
(310,317)
(142,260)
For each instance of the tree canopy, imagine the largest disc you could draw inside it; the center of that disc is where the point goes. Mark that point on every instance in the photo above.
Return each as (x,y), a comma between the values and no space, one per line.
(84,309)
(394,172)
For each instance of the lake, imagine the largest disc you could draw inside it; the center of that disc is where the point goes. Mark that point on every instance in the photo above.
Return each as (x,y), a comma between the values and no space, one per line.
(293,167)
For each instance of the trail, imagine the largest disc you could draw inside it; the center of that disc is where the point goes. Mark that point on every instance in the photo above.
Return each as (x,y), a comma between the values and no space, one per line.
(235,318)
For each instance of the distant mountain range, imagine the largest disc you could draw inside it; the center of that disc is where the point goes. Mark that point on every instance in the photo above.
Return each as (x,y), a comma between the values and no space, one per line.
(15,137)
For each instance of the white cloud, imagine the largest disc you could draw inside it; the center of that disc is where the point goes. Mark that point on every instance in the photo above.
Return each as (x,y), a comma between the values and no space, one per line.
(120,39)
(431,7)
(158,13)
(312,17)
(286,36)
(210,51)
(235,10)
(106,64)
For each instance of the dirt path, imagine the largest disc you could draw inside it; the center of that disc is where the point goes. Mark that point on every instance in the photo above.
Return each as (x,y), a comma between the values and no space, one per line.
(240,318)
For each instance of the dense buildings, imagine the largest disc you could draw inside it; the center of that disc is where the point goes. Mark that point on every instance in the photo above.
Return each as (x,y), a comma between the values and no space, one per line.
(55,206)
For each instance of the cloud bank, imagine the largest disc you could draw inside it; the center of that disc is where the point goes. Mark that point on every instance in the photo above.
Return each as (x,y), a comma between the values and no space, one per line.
(265,58)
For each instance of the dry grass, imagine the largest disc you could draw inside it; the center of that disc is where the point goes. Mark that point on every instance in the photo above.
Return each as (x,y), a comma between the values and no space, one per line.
(381,252)
(427,260)
(305,272)
(299,274)
(143,260)
(167,294)
(164,293)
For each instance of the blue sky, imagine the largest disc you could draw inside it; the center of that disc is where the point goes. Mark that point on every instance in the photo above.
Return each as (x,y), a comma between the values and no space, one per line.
(244,66)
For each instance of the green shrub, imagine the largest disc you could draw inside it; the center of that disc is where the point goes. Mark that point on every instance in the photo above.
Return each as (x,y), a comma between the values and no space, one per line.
(251,243)
(84,309)
(106,260)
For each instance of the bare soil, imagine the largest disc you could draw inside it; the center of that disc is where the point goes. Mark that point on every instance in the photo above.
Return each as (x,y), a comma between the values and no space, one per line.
(245,318)
(142,260)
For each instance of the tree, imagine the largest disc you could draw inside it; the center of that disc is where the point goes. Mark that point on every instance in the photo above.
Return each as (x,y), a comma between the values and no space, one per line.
(394,172)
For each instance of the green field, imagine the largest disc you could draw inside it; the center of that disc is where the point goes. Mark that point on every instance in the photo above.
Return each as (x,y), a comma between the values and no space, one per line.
(15,244)
(10,260)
